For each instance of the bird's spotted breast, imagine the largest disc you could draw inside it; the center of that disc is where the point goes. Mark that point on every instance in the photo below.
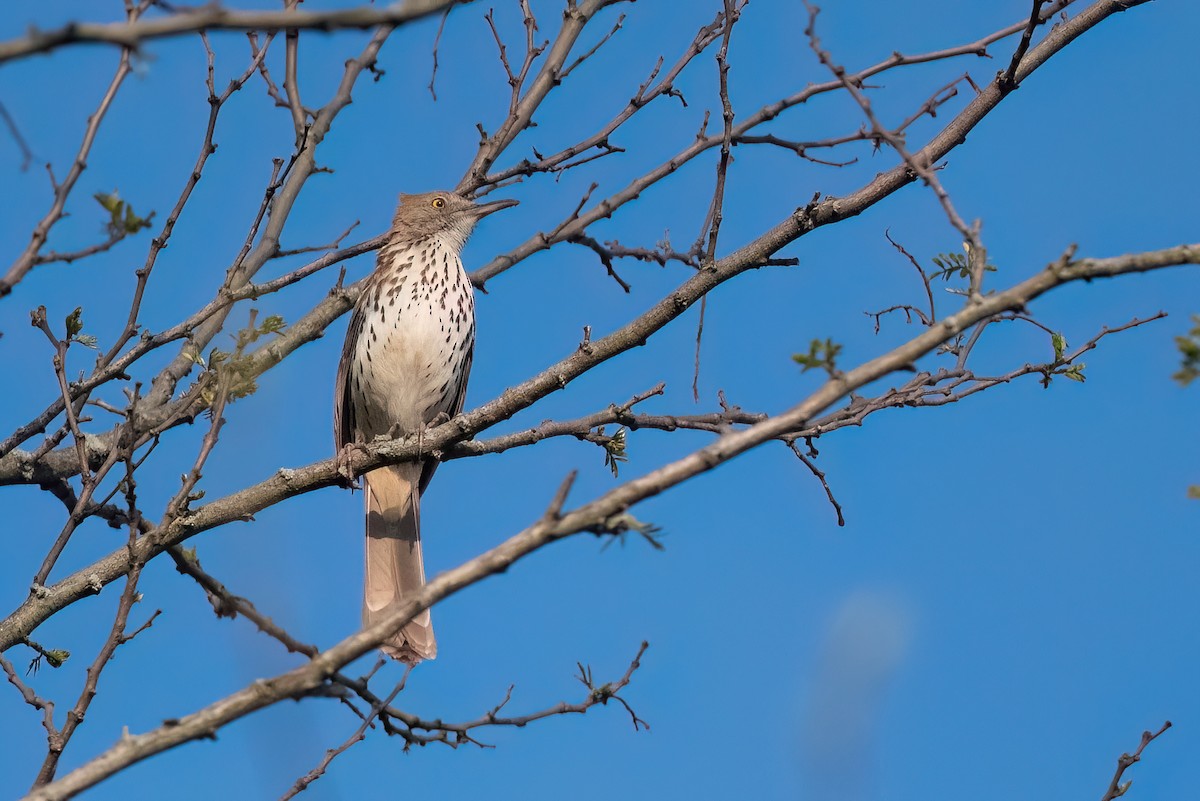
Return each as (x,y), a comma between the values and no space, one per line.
(413,363)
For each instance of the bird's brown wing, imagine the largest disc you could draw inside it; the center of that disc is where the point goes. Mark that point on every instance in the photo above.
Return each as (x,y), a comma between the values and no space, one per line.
(460,392)
(456,406)
(343,408)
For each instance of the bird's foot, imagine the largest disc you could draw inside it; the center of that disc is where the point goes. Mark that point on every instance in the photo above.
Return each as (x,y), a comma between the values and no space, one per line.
(343,462)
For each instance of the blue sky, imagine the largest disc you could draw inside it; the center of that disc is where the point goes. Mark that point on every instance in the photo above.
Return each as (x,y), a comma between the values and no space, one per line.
(1013,597)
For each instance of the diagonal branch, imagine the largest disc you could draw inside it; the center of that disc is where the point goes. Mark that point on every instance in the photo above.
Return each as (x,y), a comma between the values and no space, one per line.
(287,483)
(591,516)
(18,467)
(89,581)
(1116,788)
(575,18)
(950,137)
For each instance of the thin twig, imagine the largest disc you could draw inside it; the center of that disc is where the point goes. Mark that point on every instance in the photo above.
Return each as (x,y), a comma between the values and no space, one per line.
(15,132)
(812,466)
(210,17)
(1008,79)
(62,190)
(1115,788)
(437,40)
(304,781)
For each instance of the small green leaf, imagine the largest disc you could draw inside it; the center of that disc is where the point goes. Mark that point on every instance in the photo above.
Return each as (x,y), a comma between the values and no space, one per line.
(1075,372)
(87,340)
(955,264)
(1189,350)
(272,324)
(1060,345)
(56,657)
(602,693)
(820,354)
(75,322)
(614,451)
(133,223)
(122,220)
(111,203)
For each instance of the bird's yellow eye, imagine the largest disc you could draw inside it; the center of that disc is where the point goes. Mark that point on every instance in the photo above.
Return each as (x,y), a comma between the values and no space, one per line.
(439,202)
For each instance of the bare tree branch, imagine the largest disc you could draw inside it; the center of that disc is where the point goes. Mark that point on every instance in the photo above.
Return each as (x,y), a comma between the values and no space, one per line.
(195,378)
(215,18)
(15,133)
(29,257)
(288,483)
(1115,788)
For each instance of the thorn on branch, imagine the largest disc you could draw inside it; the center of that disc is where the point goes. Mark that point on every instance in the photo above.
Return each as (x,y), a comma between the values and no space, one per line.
(554,510)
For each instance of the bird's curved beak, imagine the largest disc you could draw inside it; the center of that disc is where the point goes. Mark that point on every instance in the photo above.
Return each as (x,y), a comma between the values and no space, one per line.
(484,209)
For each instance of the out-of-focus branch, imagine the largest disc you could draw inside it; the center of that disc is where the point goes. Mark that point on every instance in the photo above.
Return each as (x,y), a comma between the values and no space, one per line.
(214,17)
(359,734)
(42,705)
(15,133)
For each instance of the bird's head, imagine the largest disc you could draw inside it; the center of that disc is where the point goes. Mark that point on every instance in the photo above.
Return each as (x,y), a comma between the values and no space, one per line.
(445,215)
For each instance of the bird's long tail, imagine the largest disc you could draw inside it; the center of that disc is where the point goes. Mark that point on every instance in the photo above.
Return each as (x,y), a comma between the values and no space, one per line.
(395,570)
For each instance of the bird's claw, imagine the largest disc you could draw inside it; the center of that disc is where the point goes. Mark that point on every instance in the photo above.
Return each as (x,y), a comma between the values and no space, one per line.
(343,462)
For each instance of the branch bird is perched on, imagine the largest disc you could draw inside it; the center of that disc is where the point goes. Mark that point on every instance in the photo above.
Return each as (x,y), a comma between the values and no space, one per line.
(405,363)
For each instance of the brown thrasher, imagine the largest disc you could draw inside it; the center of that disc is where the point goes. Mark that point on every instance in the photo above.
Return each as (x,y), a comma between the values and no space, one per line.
(405,363)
